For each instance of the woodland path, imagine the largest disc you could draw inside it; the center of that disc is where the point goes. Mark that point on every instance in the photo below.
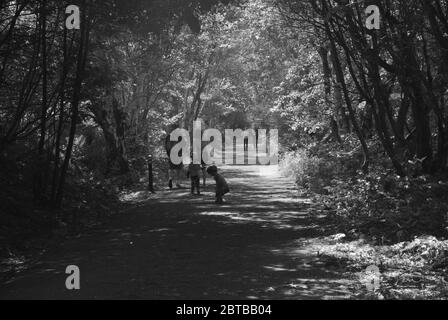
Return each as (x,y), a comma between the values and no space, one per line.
(175,246)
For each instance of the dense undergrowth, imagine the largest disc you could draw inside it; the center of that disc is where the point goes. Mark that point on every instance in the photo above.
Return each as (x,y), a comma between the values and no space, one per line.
(379,204)
(397,223)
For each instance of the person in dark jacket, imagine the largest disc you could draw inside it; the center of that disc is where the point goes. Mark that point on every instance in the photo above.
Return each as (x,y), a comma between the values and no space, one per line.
(193,172)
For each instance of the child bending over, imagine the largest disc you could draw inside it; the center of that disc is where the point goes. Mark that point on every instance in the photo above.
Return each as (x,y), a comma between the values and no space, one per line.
(221,185)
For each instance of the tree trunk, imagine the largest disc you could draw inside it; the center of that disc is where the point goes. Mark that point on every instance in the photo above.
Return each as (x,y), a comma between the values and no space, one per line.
(334,127)
(58,133)
(341,80)
(112,122)
(76,99)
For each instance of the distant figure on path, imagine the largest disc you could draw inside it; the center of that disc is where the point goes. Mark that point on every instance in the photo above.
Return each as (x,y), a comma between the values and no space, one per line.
(204,173)
(193,172)
(174,170)
(222,187)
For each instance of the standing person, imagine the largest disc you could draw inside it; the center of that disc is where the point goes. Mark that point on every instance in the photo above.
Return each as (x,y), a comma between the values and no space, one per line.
(174,171)
(222,187)
(194,172)
(204,173)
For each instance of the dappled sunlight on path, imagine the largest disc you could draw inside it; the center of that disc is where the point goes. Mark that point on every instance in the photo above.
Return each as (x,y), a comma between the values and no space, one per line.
(176,246)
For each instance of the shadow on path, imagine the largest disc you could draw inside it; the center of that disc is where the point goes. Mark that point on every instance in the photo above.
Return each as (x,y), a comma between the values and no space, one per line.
(176,246)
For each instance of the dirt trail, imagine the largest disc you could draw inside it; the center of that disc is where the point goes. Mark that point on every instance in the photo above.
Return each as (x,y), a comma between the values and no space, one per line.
(180,247)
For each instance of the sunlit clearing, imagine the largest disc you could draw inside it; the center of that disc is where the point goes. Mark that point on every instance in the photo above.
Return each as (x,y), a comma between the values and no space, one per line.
(268,171)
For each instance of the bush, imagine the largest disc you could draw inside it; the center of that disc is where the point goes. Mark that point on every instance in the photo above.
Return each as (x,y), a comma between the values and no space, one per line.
(310,172)
(379,205)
